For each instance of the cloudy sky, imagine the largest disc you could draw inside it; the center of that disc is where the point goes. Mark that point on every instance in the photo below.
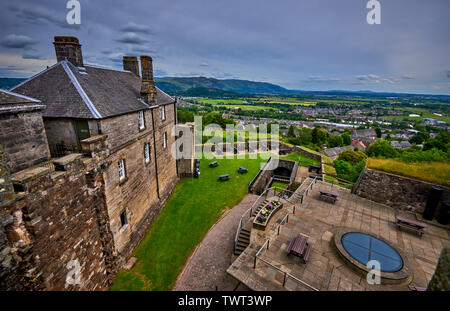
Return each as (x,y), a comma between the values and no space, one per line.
(298,44)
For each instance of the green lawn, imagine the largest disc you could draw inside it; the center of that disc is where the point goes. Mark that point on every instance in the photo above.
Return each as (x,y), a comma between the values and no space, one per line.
(194,207)
(303,160)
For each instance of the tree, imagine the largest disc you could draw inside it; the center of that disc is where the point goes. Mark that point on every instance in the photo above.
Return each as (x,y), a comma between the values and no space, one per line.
(346,139)
(378,131)
(419,138)
(291,131)
(335,141)
(382,148)
(319,136)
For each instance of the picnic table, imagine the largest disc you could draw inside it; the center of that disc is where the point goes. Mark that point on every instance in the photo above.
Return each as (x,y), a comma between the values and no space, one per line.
(242,170)
(328,195)
(224,177)
(300,247)
(417,226)
(213,164)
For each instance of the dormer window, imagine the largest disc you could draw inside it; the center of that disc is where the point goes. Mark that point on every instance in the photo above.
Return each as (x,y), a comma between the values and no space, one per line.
(141,120)
(163,113)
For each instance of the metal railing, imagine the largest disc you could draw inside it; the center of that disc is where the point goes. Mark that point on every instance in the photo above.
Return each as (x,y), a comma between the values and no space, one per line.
(251,211)
(266,246)
(285,194)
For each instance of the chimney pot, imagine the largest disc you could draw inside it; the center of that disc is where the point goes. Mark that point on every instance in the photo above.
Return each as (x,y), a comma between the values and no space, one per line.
(148,89)
(131,63)
(68,48)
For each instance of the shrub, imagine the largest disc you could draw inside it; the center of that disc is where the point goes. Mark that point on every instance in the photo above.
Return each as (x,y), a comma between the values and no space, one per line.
(351,156)
(382,148)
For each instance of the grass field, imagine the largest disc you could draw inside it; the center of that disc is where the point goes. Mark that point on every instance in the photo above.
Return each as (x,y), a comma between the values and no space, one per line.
(194,207)
(301,159)
(424,114)
(434,172)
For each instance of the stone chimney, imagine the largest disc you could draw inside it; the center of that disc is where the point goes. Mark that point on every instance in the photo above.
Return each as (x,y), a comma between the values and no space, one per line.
(148,90)
(70,48)
(130,63)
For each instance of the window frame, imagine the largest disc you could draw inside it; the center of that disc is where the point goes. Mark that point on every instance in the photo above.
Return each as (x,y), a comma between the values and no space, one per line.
(164,140)
(147,157)
(141,120)
(122,168)
(163,113)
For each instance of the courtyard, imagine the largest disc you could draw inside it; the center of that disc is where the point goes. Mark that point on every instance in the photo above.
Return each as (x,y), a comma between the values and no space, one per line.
(192,210)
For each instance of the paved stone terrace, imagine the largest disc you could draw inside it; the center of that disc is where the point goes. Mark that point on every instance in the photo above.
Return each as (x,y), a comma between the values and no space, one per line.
(325,269)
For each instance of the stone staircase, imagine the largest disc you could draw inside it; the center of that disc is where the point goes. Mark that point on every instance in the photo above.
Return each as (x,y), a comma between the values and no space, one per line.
(244,235)
(243,241)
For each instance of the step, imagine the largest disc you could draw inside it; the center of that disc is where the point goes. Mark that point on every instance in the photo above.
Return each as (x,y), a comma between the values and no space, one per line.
(242,245)
(244,241)
(244,234)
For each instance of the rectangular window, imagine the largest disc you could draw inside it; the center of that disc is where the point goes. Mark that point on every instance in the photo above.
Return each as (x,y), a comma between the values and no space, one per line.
(123,218)
(163,112)
(164,140)
(141,120)
(122,172)
(147,152)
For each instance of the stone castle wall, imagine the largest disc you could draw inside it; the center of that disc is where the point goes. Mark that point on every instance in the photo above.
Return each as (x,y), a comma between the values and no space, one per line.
(23,139)
(396,191)
(57,228)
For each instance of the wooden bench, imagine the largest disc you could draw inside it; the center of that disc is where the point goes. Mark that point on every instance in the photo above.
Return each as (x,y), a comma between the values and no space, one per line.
(213,164)
(411,224)
(307,252)
(224,177)
(328,196)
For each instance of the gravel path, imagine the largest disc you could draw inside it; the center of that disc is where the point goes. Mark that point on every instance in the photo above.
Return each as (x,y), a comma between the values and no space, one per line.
(207,267)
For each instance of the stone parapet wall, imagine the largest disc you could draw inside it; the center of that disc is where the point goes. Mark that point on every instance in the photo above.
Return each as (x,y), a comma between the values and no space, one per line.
(59,228)
(396,191)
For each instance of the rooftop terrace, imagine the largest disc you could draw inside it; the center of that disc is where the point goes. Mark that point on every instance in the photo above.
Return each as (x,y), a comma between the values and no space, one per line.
(326,269)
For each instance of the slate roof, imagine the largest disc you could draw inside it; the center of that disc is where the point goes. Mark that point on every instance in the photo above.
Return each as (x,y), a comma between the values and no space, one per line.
(13,102)
(95,93)
(332,152)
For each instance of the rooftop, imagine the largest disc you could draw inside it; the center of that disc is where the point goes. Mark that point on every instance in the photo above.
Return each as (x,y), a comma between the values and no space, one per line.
(91,93)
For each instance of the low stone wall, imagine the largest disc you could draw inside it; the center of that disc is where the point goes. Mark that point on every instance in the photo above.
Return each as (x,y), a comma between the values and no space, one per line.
(396,191)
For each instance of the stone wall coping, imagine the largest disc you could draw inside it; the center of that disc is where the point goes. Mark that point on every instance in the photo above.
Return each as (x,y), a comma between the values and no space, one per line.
(28,174)
(67,159)
(94,139)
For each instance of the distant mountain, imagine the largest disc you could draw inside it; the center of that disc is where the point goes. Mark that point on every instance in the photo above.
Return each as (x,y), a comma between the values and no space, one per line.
(207,92)
(7,83)
(171,84)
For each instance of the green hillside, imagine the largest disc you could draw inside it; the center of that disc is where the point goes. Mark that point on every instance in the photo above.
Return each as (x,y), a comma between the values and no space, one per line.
(178,85)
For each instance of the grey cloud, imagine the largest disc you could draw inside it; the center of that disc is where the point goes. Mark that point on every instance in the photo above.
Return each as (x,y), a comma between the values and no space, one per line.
(17,41)
(39,15)
(133,27)
(131,38)
(32,55)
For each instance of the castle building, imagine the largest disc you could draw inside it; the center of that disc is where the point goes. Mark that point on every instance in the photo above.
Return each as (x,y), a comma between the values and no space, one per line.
(111,171)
